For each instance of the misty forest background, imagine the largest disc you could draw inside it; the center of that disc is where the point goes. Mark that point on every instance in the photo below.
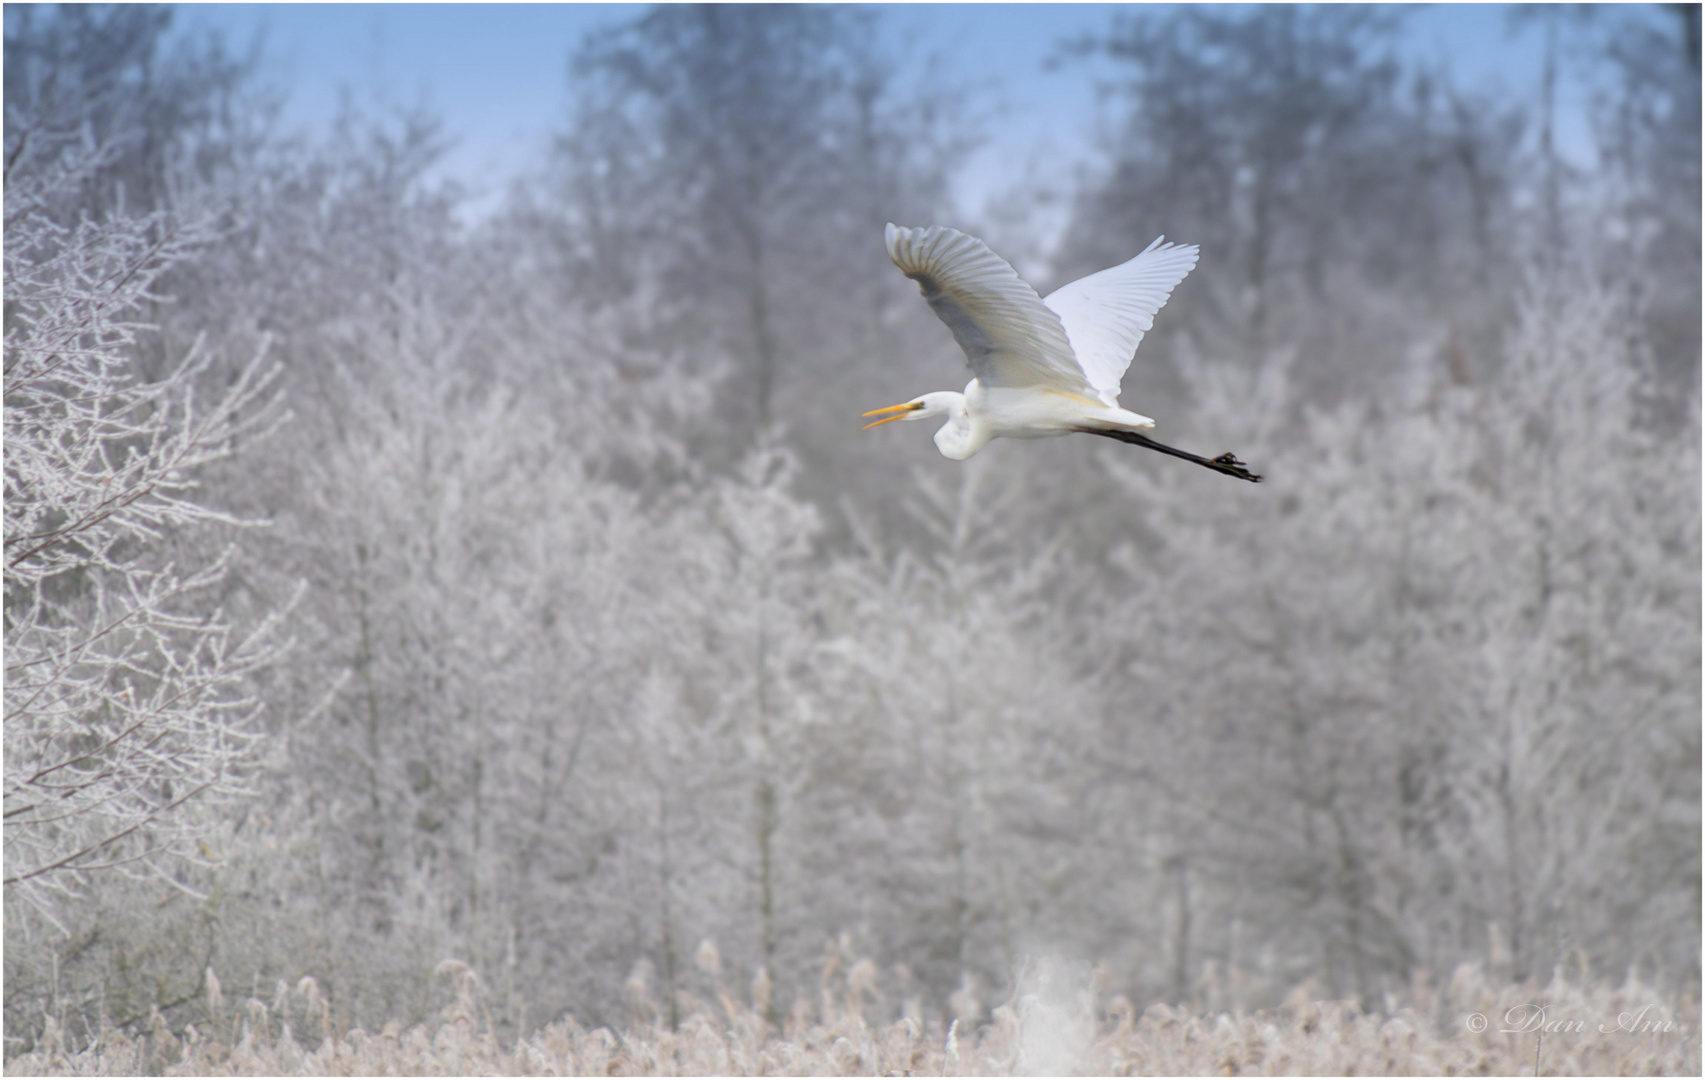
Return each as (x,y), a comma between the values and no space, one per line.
(386,587)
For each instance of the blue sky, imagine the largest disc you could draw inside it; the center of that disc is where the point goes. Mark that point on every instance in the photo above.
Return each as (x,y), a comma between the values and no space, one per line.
(497,73)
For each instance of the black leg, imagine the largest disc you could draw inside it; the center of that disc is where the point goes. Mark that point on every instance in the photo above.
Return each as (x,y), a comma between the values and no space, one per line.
(1225,463)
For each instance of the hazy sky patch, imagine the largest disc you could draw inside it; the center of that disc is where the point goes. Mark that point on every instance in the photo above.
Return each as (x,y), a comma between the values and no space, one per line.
(498,73)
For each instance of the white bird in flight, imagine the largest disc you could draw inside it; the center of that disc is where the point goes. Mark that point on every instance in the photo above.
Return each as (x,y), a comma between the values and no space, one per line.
(1043,366)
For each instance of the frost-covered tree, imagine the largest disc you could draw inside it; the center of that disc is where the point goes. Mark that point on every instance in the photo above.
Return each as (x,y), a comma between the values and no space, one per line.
(447,497)
(730,170)
(1585,643)
(127,697)
(759,647)
(1435,686)
(1344,205)
(730,134)
(177,116)
(1649,136)
(961,724)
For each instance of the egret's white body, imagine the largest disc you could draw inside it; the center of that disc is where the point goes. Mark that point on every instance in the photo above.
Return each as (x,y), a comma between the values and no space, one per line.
(1042,366)
(983,413)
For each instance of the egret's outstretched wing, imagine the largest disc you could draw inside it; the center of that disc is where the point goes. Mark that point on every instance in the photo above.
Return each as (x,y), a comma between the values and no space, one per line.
(1107,313)
(1009,335)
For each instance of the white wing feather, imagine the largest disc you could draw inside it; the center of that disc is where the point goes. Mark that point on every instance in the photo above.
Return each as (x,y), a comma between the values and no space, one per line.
(1010,336)
(1106,314)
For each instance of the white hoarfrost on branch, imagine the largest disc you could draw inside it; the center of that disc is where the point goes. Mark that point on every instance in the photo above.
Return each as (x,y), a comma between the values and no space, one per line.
(127,695)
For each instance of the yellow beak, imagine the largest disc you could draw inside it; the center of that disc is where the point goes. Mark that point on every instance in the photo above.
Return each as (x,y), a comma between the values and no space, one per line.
(899,412)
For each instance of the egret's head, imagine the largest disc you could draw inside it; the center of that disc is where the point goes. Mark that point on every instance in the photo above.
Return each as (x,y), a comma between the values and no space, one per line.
(940,403)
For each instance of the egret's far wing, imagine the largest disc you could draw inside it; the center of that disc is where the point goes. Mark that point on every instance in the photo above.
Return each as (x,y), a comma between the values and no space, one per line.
(1107,313)
(1008,334)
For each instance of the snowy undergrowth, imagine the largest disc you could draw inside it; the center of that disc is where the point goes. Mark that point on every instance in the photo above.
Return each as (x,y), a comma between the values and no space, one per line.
(1061,1028)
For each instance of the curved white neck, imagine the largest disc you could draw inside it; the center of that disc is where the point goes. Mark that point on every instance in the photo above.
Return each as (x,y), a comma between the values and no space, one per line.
(961,436)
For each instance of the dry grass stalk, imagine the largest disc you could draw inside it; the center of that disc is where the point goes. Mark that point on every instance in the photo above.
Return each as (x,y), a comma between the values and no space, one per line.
(1041,1032)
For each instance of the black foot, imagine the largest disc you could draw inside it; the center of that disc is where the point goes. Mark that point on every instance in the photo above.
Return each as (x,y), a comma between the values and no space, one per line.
(1228,464)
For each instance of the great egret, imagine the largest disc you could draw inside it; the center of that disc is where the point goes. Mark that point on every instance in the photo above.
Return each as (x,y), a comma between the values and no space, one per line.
(1043,366)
